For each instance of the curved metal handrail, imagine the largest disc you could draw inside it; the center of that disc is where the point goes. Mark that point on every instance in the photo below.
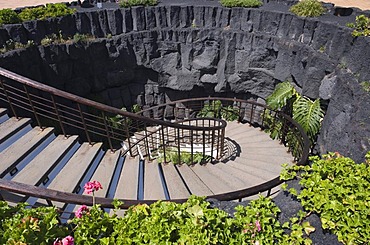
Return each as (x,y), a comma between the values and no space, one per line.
(64,197)
(37,85)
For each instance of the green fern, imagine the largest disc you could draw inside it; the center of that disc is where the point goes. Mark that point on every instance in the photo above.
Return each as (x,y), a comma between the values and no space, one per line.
(308,114)
(282,93)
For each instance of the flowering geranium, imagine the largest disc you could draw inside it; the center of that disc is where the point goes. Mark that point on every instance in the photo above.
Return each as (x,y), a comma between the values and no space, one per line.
(258,225)
(81,211)
(92,186)
(68,240)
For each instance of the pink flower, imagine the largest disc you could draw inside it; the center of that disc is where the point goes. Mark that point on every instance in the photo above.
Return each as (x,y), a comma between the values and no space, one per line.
(68,240)
(92,186)
(81,211)
(258,225)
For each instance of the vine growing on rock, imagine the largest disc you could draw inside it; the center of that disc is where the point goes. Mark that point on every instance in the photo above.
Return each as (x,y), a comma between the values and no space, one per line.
(336,188)
(361,26)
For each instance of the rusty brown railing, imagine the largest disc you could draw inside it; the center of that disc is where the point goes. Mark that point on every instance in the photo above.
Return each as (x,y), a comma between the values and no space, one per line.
(94,121)
(143,132)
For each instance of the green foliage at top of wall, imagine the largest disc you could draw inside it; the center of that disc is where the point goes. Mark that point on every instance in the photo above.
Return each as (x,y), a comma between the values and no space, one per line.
(8,16)
(241,3)
(308,8)
(130,3)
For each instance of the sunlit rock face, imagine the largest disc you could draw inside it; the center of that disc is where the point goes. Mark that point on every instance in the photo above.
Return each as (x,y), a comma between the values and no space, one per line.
(155,54)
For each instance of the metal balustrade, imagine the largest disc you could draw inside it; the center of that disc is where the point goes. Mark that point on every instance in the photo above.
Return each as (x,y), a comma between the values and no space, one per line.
(145,132)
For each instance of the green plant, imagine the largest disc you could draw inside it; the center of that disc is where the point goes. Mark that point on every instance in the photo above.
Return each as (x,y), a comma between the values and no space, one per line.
(8,16)
(336,188)
(306,112)
(129,3)
(366,86)
(21,225)
(361,26)
(241,3)
(49,11)
(172,155)
(11,45)
(82,38)
(308,8)
(215,109)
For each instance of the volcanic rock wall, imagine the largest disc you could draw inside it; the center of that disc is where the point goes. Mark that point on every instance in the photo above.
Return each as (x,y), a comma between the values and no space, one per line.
(165,53)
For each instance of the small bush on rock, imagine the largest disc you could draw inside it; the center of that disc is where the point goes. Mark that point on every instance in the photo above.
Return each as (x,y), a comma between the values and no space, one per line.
(129,3)
(308,8)
(241,3)
(361,26)
(50,11)
(8,16)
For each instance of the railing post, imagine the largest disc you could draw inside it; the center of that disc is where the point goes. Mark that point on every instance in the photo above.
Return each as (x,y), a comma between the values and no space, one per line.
(222,140)
(84,123)
(107,131)
(146,141)
(8,99)
(204,145)
(212,143)
(32,107)
(252,114)
(191,147)
(178,144)
(163,145)
(128,136)
(58,115)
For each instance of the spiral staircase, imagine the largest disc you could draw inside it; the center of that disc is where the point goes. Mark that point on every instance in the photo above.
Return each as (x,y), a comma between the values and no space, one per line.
(52,142)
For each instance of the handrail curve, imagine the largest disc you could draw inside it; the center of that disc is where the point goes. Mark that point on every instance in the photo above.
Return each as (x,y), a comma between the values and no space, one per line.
(24,93)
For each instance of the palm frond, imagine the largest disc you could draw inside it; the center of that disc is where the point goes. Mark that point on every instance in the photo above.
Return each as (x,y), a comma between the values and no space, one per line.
(282,93)
(308,114)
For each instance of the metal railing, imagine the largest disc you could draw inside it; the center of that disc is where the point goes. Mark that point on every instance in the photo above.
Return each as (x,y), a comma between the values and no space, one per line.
(182,122)
(93,121)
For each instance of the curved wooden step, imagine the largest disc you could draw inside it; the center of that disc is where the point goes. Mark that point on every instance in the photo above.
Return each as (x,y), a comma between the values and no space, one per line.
(12,155)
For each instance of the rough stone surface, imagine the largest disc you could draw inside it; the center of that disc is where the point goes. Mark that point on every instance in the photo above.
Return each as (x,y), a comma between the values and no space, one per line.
(205,49)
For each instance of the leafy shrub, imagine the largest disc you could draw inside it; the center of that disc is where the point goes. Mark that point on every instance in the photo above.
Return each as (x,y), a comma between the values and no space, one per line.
(49,11)
(8,16)
(308,8)
(241,3)
(336,188)
(129,3)
(361,26)
(11,45)
(306,112)
(20,225)
(215,109)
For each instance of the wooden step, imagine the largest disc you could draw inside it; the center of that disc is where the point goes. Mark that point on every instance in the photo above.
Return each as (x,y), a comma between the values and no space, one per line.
(193,182)
(256,168)
(39,168)
(231,177)
(127,186)
(213,182)
(175,185)
(234,176)
(105,170)
(153,188)
(11,127)
(3,112)
(70,176)
(21,148)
